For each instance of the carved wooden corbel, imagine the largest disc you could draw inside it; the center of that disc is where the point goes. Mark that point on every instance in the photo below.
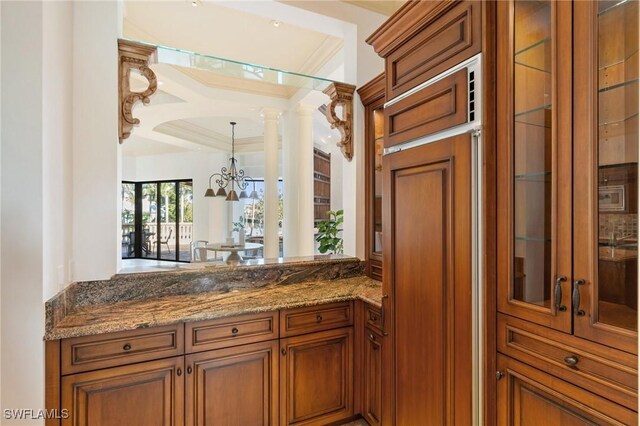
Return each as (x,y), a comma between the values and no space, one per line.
(137,56)
(342,94)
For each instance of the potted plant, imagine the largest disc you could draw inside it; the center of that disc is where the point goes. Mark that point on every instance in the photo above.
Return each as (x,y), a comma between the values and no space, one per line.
(328,231)
(239,228)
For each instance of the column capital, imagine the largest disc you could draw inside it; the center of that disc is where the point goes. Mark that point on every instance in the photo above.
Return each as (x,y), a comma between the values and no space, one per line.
(269,113)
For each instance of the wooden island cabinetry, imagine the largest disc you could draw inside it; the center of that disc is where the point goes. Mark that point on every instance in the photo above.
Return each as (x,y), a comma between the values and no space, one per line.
(289,367)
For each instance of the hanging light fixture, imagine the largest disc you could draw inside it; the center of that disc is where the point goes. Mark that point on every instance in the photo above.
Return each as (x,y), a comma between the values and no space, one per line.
(231,176)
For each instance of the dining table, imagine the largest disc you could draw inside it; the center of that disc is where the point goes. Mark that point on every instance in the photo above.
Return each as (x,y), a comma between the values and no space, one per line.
(233,249)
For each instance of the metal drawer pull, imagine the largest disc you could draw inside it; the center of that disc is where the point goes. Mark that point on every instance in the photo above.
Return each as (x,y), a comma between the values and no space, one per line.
(234,330)
(575,297)
(319,318)
(372,337)
(558,293)
(571,360)
(126,347)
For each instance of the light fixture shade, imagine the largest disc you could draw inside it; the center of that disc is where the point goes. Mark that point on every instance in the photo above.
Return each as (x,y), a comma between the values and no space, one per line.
(233,195)
(221,193)
(243,194)
(209,193)
(254,195)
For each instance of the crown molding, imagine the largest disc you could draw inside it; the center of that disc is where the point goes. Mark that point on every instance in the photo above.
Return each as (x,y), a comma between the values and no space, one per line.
(412,17)
(372,90)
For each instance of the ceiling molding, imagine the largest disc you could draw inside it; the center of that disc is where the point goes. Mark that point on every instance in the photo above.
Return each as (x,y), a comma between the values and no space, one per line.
(329,47)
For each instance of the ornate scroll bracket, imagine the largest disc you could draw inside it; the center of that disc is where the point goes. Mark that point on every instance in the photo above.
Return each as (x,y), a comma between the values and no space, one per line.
(342,94)
(136,56)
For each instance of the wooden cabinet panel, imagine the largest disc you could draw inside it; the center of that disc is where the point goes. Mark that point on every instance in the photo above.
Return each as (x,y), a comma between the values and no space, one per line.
(529,397)
(372,377)
(315,318)
(604,371)
(225,332)
(428,269)
(373,317)
(439,106)
(316,378)
(452,37)
(107,350)
(234,386)
(150,393)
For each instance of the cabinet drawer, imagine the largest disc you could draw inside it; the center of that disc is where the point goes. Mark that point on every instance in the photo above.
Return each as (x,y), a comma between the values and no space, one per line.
(225,332)
(107,350)
(437,107)
(315,318)
(444,42)
(373,317)
(605,371)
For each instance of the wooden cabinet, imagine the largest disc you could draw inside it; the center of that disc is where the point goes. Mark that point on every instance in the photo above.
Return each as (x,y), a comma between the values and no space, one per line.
(428,279)
(316,378)
(149,393)
(532,397)
(567,104)
(233,386)
(372,377)
(372,97)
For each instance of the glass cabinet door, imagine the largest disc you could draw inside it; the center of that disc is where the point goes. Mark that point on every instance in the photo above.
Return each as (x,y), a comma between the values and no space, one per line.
(606,172)
(534,156)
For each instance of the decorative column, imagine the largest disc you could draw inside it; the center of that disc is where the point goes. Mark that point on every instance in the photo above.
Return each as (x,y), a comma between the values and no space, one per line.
(306,243)
(271,118)
(289,183)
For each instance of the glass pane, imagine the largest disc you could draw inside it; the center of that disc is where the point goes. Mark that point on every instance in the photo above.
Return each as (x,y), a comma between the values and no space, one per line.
(185,223)
(378,122)
(128,219)
(167,239)
(532,152)
(618,163)
(149,219)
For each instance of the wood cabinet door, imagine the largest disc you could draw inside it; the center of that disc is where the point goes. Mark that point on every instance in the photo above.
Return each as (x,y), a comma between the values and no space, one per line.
(606,173)
(530,397)
(534,161)
(316,378)
(372,377)
(149,393)
(233,387)
(428,280)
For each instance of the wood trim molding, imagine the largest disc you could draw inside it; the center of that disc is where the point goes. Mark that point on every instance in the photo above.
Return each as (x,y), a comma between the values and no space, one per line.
(136,56)
(341,94)
(373,90)
(413,16)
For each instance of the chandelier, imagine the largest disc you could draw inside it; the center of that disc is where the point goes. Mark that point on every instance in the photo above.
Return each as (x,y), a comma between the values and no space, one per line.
(231,176)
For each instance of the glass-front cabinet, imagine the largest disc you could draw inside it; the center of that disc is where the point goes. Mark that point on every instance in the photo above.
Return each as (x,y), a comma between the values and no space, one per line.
(534,230)
(606,172)
(567,204)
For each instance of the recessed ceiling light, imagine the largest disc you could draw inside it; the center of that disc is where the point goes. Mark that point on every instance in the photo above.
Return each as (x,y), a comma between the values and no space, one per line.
(276,23)
(160,82)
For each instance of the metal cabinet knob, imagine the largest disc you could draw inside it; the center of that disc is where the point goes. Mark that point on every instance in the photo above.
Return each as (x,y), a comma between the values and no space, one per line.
(234,330)
(283,351)
(319,318)
(372,337)
(179,371)
(189,370)
(571,360)
(126,347)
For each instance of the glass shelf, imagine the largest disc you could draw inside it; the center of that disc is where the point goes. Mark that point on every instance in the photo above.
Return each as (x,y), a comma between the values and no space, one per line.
(534,177)
(618,85)
(533,239)
(236,69)
(535,117)
(536,56)
(619,122)
(608,6)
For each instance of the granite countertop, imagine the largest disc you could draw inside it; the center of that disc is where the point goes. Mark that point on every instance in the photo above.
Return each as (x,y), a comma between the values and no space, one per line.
(170,309)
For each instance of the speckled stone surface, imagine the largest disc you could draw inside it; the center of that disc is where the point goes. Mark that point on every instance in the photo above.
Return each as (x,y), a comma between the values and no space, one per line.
(206,278)
(158,311)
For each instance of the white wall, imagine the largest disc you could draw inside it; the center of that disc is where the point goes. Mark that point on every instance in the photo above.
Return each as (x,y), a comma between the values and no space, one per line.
(21,235)
(57,135)
(96,194)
